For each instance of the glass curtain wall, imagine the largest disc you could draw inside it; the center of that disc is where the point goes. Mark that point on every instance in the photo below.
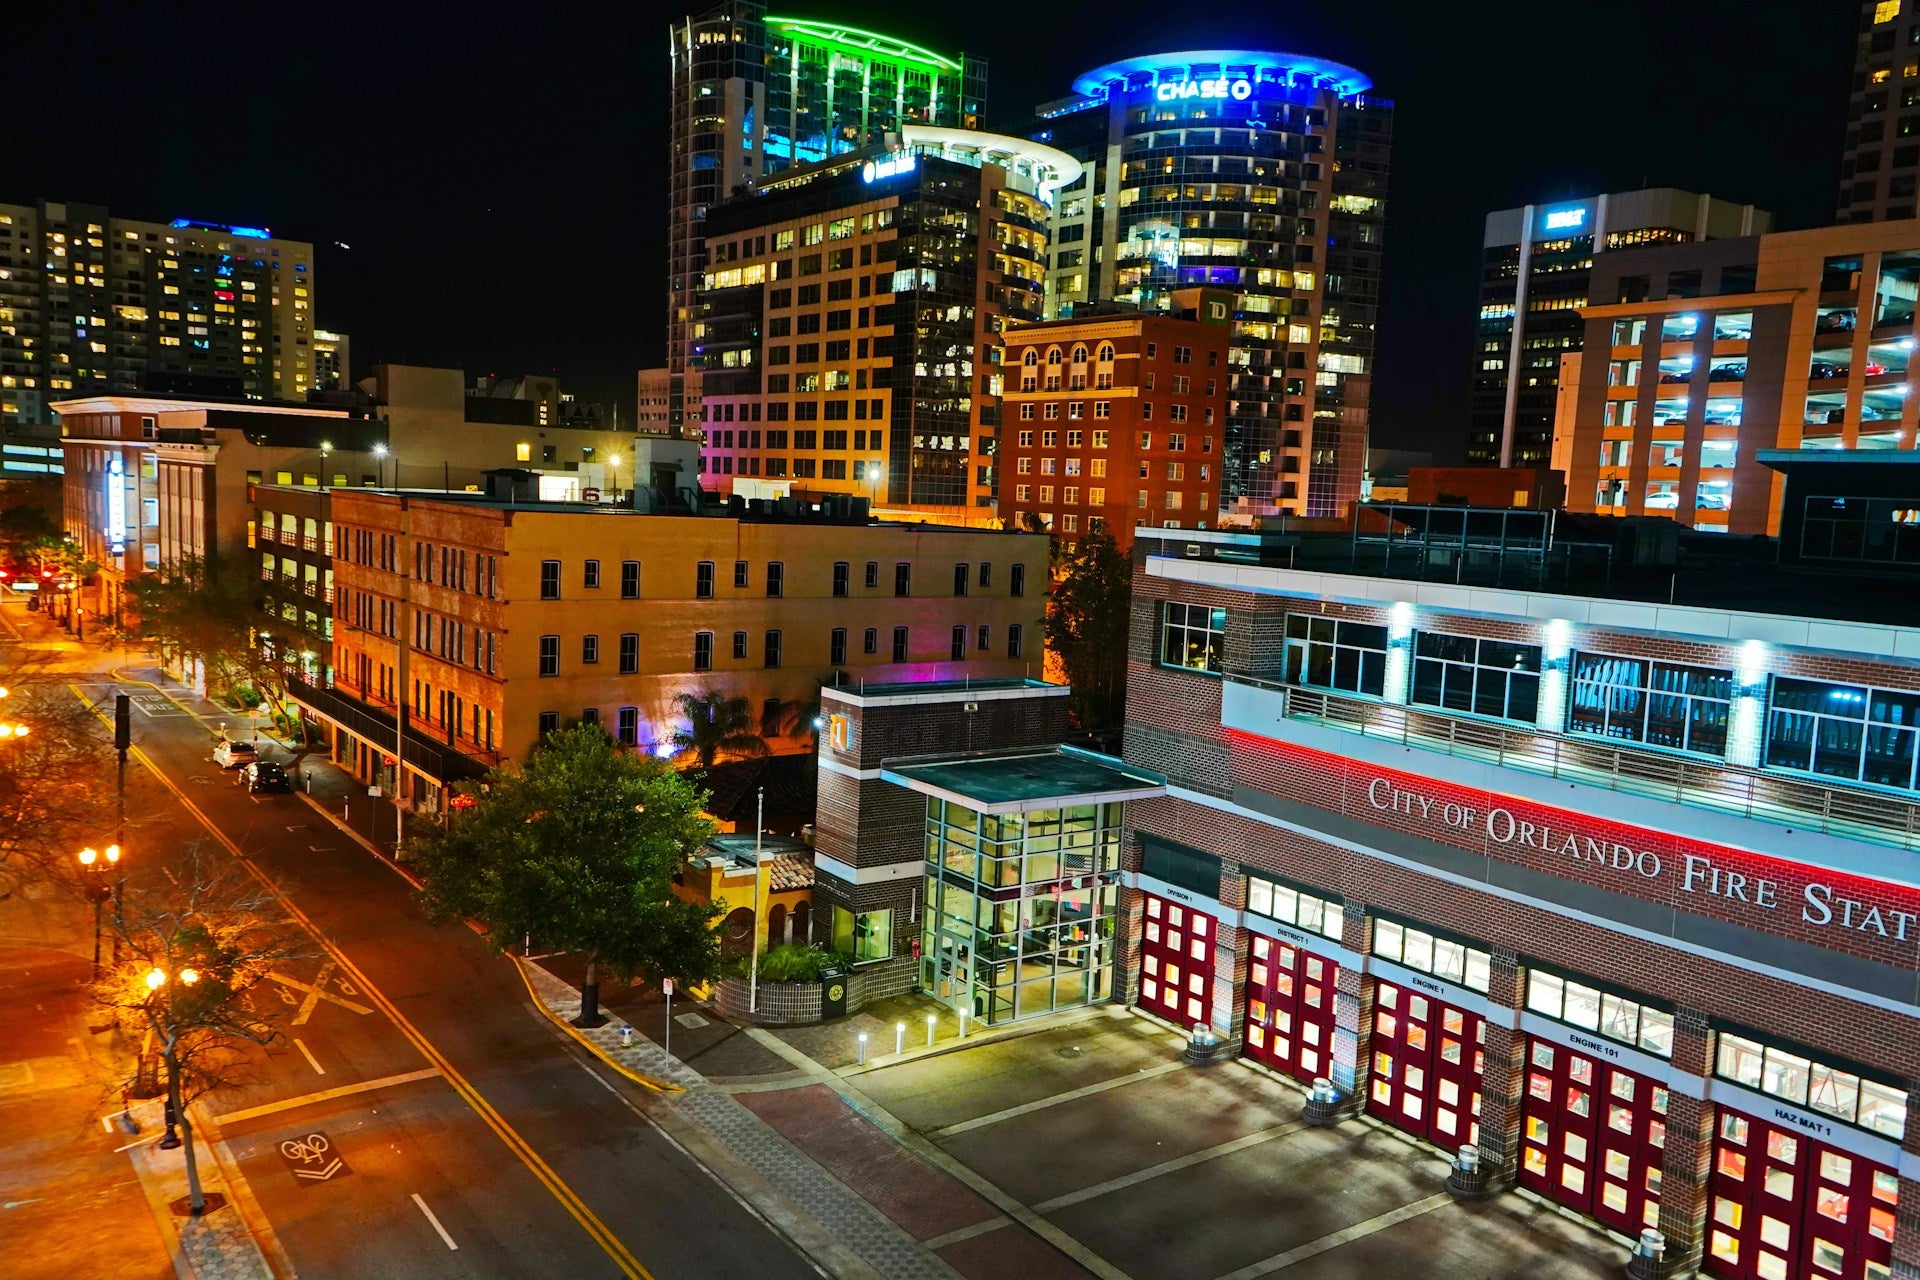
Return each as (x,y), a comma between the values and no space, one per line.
(1020,908)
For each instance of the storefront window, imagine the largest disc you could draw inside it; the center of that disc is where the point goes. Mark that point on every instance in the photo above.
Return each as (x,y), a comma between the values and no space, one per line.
(1614,1016)
(864,935)
(1817,1085)
(1290,906)
(1441,957)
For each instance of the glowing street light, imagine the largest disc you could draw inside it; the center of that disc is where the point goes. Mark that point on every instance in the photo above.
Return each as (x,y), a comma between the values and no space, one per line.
(94,864)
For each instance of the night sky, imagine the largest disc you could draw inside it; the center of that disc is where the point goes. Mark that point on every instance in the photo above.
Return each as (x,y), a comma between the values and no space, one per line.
(500,180)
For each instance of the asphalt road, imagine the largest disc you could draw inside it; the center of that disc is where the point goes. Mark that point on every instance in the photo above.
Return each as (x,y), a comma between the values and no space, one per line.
(475,1139)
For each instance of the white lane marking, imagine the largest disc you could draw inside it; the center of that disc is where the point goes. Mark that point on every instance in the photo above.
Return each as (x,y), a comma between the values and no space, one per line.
(307,1053)
(297,985)
(269,1108)
(435,1221)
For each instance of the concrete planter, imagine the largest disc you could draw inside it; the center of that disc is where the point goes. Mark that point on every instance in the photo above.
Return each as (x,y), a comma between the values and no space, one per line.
(789,1004)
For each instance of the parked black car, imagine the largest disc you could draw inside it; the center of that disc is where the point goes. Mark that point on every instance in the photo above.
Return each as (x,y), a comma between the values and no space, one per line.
(264,775)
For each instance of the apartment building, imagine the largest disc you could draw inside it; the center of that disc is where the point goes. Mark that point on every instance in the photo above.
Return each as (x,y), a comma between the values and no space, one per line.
(1878,170)
(519,616)
(1608,877)
(1113,420)
(846,314)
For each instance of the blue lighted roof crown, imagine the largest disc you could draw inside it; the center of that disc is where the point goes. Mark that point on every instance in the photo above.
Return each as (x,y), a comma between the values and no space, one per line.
(1339,77)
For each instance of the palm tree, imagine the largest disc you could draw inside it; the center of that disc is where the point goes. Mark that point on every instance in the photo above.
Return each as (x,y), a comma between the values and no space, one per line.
(716,726)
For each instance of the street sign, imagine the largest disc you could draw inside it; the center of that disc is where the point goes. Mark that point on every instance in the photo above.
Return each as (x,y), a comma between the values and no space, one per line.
(666,986)
(311,1159)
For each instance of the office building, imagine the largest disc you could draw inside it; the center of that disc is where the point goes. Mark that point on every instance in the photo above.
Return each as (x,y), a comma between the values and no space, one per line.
(1258,172)
(91,304)
(1700,357)
(1608,875)
(1536,273)
(1878,168)
(650,405)
(1113,420)
(332,363)
(522,616)
(755,95)
(845,307)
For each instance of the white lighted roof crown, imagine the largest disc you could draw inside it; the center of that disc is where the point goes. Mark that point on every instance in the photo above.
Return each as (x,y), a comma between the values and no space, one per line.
(1212,63)
(1049,167)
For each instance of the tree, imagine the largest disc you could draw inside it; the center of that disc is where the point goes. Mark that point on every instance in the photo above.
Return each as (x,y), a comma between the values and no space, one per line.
(717,726)
(219,613)
(63,754)
(196,943)
(1086,626)
(577,849)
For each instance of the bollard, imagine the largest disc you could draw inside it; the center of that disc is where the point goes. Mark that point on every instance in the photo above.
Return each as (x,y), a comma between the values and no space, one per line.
(1649,1260)
(963,1021)
(899,1038)
(626,1036)
(1204,1047)
(862,1059)
(1465,1179)
(1323,1104)
(929,1031)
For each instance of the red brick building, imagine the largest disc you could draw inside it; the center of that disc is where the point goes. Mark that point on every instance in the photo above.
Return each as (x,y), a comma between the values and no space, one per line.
(1623,894)
(1113,421)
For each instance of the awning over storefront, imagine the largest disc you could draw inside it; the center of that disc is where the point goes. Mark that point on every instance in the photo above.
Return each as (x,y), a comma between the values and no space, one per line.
(442,763)
(1022,781)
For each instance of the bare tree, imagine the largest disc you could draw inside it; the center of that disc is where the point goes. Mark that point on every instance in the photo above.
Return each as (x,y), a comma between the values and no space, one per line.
(64,754)
(197,941)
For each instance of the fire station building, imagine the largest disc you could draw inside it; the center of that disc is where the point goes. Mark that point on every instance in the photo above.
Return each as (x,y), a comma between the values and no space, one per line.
(1611,876)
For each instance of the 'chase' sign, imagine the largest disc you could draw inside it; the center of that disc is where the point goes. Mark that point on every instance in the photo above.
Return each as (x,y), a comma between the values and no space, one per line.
(1239,90)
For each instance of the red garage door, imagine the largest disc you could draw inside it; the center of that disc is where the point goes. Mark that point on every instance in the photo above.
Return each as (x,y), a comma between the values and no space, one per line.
(1427,1061)
(1290,1008)
(1176,962)
(1783,1206)
(1593,1136)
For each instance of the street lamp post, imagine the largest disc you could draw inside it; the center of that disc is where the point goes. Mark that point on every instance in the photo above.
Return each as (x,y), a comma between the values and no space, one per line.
(179,1128)
(759,909)
(98,890)
(380,467)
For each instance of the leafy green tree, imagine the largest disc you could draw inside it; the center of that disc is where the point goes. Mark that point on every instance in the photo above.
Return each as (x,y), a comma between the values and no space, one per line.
(717,727)
(1086,626)
(577,849)
(219,613)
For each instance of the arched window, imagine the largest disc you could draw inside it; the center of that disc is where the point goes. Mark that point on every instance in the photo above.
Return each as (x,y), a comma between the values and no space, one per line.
(1053,355)
(1105,354)
(1031,358)
(1079,355)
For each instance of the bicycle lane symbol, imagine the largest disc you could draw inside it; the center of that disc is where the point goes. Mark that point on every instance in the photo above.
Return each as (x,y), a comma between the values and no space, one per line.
(311,1159)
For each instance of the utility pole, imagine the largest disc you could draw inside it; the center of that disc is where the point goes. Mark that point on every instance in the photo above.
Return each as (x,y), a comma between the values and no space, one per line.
(759,913)
(122,740)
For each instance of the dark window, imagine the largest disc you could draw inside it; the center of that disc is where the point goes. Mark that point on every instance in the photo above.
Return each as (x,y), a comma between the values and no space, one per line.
(549,722)
(1191,636)
(630,653)
(870,643)
(627,726)
(903,579)
(740,645)
(985,642)
(776,579)
(1662,704)
(959,648)
(1017,580)
(1844,731)
(703,580)
(549,579)
(703,651)
(960,574)
(590,574)
(986,575)
(842,577)
(589,649)
(549,655)
(1326,653)
(740,575)
(899,644)
(1483,677)
(837,647)
(590,716)
(772,649)
(629,579)
(1015,634)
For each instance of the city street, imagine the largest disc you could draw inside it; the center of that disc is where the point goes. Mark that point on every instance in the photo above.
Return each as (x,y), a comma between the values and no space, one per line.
(472,1138)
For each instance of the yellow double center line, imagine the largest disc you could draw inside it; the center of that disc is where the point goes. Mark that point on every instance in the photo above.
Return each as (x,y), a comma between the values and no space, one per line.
(571,1202)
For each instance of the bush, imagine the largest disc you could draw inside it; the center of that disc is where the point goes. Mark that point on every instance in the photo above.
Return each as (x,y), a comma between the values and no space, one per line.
(794,962)
(242,698)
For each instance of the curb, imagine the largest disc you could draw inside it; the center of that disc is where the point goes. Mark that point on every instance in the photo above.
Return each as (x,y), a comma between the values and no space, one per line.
(645,1081)
(340,825)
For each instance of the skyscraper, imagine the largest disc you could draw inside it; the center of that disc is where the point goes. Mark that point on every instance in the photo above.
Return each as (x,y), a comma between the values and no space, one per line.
(1262,173)
(753,95)
(93,304)
(1536,268)
(1877,180)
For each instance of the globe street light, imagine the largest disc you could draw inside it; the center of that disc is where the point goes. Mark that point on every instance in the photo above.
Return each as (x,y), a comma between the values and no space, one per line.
(94,864)
(156,979)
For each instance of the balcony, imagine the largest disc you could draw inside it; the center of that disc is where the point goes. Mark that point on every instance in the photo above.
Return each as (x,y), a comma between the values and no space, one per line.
(1717,787)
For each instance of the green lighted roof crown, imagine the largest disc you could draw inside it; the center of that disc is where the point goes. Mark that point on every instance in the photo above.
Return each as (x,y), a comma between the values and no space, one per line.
(865,41)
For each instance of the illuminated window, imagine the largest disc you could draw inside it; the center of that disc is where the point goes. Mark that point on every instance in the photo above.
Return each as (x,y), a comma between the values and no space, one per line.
(1886,11)
(523,452)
